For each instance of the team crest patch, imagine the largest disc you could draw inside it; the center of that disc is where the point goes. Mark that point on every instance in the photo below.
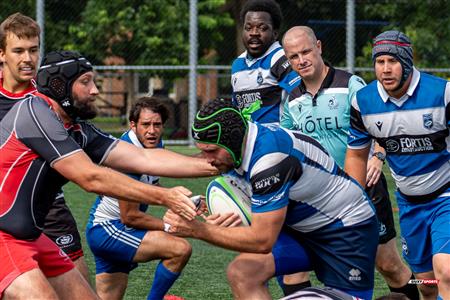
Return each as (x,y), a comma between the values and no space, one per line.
(259,79)
(333,103)
(427,120)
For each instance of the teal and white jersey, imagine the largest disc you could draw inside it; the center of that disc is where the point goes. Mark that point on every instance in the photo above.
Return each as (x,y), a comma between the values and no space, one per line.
(326,116)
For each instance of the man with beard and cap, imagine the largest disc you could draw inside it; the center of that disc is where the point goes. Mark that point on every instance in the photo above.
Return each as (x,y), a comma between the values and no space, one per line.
(306,213)
(46,143)
(259,74)
(408,113)
(320,108)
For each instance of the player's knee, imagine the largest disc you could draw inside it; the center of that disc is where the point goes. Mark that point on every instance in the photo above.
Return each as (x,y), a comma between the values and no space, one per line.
(391,268)
(235,273)
(183,250)
(442,274)
(243,271)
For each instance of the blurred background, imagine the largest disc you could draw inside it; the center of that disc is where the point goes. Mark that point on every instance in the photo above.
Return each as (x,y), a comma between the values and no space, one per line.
(164,47)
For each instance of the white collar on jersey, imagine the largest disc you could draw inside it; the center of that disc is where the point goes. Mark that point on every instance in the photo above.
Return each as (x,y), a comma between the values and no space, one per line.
(251,61)
(134,139)
(412,86)
(248,148)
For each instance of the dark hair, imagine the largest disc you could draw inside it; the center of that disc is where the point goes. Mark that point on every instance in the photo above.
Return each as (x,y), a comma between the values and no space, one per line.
(20,25)
(151,103)
(269,6)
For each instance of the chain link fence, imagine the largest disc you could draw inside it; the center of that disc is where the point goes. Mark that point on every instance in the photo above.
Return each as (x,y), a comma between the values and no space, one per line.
(143,47)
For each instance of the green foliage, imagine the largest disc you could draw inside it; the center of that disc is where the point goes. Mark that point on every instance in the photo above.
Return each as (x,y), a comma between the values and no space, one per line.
(428,28)
(151,32)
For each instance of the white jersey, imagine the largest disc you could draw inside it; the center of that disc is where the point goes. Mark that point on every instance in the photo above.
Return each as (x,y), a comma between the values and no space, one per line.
(107,208)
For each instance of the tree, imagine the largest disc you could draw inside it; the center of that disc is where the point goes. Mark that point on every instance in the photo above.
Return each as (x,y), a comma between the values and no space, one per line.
(149,32)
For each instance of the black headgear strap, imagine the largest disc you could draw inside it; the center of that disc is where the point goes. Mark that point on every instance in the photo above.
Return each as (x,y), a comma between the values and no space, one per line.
(58,72)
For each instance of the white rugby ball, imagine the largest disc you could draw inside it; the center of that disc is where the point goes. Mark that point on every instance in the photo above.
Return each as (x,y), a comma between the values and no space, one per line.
(229,194)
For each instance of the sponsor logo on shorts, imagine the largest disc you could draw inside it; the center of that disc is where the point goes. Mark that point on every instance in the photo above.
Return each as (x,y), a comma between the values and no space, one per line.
(424,281)
(382,229)
(355,275)
(404,246)
(64,240)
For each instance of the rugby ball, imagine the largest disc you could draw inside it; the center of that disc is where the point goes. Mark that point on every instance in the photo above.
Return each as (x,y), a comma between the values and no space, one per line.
(229,194)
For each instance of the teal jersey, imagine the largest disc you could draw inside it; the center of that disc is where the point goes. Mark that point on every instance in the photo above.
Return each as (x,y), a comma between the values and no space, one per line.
(325,116)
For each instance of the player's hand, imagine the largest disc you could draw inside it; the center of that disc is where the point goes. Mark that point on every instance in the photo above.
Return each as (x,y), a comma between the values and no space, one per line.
(225,220)
(177,199)
(179,226)
(374,169)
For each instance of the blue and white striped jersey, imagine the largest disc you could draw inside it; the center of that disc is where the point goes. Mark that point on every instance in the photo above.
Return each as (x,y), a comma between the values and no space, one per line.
(288,168)
(107,208)
(258,83)
(414,131)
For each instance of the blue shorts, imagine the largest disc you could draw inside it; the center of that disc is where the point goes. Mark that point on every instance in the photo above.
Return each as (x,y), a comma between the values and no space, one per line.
(114,246)
(342,257)
(425,230)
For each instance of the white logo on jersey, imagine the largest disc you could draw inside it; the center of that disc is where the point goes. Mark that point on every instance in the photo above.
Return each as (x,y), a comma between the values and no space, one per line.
(333,103)
(427,121)
(267,181)
(354,275)
(65,103)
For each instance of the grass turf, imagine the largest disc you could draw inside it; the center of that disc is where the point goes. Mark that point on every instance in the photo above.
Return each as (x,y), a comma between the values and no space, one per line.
(204,276)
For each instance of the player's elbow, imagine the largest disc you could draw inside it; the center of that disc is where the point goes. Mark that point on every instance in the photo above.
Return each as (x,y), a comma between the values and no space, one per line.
(94,181)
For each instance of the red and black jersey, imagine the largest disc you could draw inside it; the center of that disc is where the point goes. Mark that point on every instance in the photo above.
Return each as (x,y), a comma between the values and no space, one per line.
(8,99)
(32,138)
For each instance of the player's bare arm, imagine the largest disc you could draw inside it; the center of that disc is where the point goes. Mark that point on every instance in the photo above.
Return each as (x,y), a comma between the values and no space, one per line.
(356,164)
(79,168)
(128,158)
(131,216)
(375,166)
(259,237)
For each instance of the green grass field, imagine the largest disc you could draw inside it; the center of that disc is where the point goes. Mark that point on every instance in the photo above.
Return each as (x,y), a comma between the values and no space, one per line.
(204,276)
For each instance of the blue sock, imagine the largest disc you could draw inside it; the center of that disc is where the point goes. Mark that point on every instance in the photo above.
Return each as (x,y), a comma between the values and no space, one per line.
(162,282)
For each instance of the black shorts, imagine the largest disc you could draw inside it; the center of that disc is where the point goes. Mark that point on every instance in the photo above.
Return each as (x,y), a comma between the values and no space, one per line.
(380,198)
(60,227)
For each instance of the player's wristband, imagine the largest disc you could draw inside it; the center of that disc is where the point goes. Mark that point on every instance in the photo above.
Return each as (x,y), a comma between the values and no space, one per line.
(166,227)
